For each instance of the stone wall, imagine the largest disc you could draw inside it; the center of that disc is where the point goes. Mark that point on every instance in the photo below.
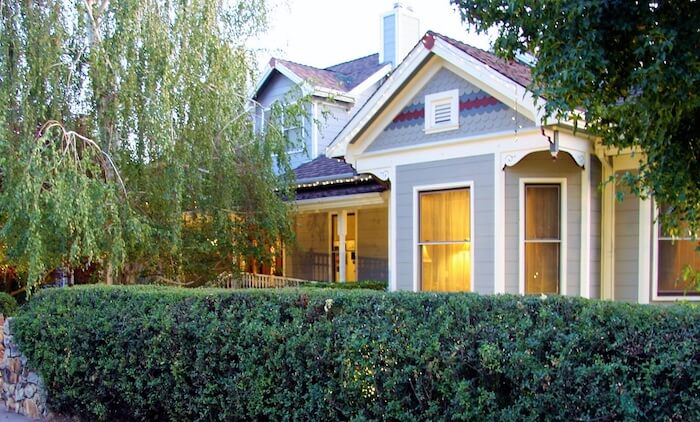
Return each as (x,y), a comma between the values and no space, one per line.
(21,390)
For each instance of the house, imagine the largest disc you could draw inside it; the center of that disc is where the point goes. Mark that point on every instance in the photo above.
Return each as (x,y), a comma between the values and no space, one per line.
(451,173)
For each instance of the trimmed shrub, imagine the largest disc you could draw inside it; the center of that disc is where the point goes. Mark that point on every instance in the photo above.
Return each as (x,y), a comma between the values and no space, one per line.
(8,305)
(351,285)
(147,353)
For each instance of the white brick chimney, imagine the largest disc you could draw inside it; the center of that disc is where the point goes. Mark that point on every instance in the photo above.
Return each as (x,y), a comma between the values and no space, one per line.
(400,31)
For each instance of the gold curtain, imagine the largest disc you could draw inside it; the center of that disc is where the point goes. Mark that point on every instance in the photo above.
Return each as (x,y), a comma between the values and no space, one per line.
(673,258)
(445,217)
(542,238)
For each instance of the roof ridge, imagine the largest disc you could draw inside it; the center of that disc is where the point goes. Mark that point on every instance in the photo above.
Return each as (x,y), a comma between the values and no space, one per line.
(349,61)
(488,60)
(462,42)
(300,64)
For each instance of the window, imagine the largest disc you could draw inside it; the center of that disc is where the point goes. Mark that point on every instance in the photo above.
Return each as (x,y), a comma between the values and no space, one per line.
(261,119)
(542,238)
(445,240)
(295,139)
(442,111)
(674,256)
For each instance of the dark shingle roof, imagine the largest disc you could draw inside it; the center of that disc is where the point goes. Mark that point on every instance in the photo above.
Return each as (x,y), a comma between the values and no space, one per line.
(514,70)
(341,77)
(341,179)
(323,167)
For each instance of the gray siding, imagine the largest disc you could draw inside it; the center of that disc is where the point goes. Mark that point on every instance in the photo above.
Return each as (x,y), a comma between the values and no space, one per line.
(372,244)
(281,88)
(540,164)
(278,86)
(332,119)
(478,169)
(480,114)
(626,246)
(595,210)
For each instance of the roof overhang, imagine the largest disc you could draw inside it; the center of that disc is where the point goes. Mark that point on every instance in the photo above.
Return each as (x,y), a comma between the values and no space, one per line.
(360,200)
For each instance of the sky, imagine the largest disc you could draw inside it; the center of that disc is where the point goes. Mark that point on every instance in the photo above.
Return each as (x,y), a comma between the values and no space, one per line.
(322,33)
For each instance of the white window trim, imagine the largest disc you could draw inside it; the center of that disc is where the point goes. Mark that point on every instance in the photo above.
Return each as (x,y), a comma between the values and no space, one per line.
(299,149)
(655,266)
(416,224)
(263,121)
(563,232)
(451,96)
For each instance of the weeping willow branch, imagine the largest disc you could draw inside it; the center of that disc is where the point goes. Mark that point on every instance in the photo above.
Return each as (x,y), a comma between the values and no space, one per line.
(72,143)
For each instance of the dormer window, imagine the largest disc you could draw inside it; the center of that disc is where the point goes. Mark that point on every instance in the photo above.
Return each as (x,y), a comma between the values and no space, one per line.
(442,111)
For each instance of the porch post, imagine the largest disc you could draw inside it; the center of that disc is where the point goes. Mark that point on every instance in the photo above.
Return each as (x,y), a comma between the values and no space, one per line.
(607,257)
(342,231)
(585,275)
(645,257)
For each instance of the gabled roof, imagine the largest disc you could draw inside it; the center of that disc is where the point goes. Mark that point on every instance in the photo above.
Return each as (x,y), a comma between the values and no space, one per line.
(507,81)
(339,78)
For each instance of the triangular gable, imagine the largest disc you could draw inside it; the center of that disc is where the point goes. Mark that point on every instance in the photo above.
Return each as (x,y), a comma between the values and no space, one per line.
(497,79)
(479,113)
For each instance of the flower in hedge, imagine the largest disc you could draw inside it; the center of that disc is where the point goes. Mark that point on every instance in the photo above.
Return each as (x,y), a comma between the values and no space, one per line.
(328,305)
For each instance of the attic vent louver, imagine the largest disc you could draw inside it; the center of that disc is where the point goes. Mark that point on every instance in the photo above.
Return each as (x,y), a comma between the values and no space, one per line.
(442,111)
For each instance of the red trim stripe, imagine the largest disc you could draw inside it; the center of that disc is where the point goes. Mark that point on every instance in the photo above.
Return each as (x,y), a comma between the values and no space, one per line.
(463,105)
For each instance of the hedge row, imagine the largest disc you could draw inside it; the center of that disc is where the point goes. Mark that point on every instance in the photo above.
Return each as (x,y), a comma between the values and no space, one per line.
(351,285)
(145,353)
(8,305)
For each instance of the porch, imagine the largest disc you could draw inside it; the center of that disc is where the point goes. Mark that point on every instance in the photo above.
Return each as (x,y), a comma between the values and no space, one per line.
(339,245)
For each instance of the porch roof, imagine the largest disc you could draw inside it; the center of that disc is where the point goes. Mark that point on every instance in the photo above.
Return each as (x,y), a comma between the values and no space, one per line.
(325,177)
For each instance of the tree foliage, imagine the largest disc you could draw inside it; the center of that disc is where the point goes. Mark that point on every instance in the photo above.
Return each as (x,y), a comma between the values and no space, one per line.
(126,140)
(633,67)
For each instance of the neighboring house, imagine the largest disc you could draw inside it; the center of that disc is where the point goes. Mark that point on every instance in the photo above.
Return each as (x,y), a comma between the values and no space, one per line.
(331,195)
(449,178)
(335,94)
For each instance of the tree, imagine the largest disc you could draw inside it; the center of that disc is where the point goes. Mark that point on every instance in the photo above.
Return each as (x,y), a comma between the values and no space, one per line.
(126,139)
(632,67)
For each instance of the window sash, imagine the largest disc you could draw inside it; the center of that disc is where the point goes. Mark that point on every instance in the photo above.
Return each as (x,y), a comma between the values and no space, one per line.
(299,141)
(454,206)
(542,238)
(444,243)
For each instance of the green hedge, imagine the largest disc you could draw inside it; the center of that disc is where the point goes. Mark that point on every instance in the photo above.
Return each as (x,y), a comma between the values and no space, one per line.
(8,305)
(145,353)
(350,285)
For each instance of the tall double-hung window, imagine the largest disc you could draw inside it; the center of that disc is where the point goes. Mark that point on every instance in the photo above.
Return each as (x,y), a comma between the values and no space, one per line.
(445,240)
(542,238)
